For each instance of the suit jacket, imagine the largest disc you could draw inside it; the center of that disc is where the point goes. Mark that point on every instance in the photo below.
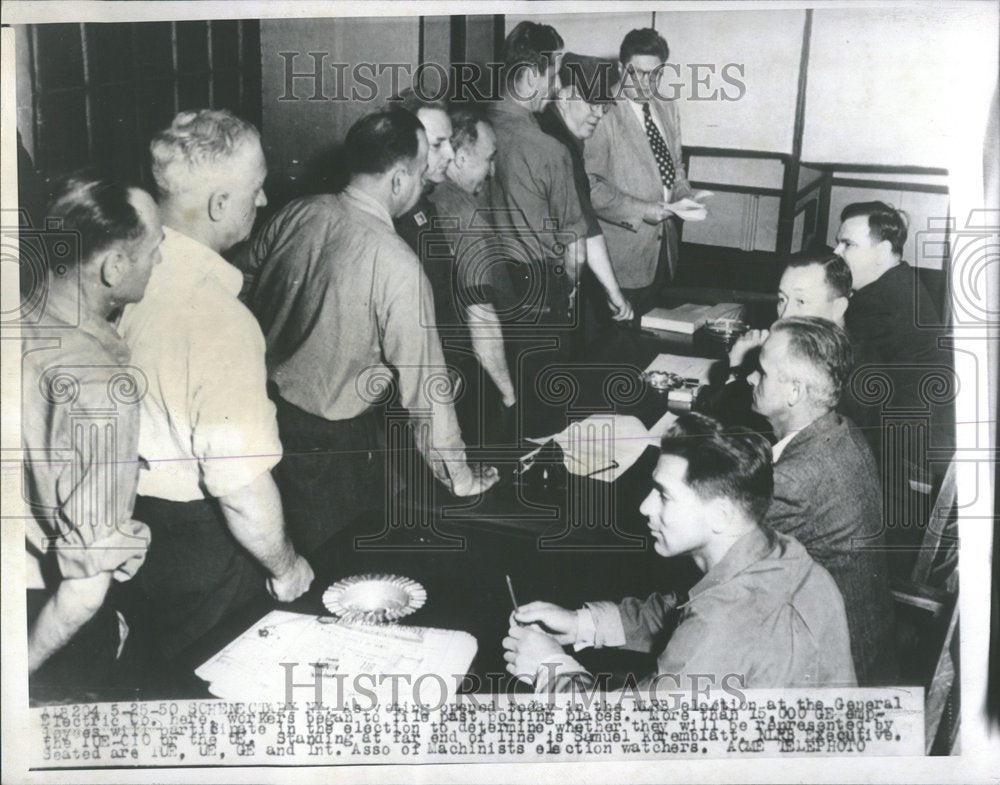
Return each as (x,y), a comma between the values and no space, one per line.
(623,178)
(827,495)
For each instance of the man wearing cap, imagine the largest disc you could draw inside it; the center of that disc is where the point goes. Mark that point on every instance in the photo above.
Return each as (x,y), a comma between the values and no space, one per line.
(637,176)
(584,98)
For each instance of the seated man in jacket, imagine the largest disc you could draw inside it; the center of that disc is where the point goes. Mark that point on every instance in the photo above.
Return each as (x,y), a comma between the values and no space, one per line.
(826,486)
(764,613)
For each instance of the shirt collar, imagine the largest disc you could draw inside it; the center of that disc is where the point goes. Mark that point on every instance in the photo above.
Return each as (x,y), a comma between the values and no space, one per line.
(368,203)
(747,550)
(68,310)
(779,448)
(187,262)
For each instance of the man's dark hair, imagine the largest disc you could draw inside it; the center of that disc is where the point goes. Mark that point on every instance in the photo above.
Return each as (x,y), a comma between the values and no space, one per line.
(884,222)
(731,462)
(826,348)
(412,101)
(380,140)
(528,45)
(837,274)
(643,41)
(98,210)
(465,122)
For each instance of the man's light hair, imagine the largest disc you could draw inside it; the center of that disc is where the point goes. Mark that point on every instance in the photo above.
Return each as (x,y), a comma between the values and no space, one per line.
(195,143)
(819,354)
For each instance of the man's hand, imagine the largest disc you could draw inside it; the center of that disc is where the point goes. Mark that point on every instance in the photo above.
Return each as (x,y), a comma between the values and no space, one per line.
(656,212)
(292,583)
(553,619)
(688,209)
(701,196)
(131,563)
(480,479)
(621,308)
(527,649)
(745,343)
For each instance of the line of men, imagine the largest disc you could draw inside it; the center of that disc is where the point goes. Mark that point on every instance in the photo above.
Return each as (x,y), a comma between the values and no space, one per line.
(344,319)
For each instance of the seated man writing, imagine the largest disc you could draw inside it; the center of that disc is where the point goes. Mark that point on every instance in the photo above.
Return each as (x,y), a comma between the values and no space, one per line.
(764,611)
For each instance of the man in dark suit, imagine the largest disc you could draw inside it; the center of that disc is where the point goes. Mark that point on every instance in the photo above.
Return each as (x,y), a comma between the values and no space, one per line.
(826,487)
(892,318)
(637,178)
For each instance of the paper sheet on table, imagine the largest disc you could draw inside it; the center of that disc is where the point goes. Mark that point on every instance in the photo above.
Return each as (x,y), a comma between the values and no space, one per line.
(688,367)
(605,446)
(250,667)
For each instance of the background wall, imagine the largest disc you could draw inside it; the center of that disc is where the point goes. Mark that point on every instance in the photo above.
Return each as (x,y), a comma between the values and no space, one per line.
(302,136)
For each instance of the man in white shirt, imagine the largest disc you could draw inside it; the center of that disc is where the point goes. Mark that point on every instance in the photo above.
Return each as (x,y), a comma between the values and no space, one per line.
(208,431)
(637,177)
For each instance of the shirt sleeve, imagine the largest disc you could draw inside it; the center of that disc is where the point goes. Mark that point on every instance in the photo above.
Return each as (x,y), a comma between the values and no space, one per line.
(544,190)
(95,490)
(410,342)
(233,423)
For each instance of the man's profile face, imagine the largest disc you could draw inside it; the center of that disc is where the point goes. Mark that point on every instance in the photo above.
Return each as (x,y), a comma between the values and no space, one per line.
(475,162)
(247,171)
(804,291)
(581,117)
(437,125)
(640,77)
(143,252)
(856,246)
(770,384)
(679,519)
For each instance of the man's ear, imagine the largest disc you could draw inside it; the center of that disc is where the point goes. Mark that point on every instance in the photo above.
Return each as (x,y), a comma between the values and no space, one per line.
(218,201)
(113,266)
(723,511)
(840,308)
(397,180)
(796,392)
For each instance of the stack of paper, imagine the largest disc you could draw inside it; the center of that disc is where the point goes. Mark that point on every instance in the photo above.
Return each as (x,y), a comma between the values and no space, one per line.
(688,317)
(255,665)
(604,447)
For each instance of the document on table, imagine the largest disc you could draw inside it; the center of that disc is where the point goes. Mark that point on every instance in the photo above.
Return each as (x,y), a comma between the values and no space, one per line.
(687,367)
(251,667)
(604,447)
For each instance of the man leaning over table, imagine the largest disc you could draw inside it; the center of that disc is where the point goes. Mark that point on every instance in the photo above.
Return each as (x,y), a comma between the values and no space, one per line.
(637,178)
(764,611)
(826,484)
(344,305)
(81,537)
(208,431)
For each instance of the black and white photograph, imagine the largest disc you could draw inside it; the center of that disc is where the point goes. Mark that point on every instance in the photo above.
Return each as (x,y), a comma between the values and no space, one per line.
(477,391)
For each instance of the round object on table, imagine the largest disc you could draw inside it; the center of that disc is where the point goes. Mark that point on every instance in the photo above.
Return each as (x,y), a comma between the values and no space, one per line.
(374,599)
(726,329)
(662,381)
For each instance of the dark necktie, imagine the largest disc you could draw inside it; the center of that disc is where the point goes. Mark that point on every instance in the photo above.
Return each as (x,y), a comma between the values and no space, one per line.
(660,151)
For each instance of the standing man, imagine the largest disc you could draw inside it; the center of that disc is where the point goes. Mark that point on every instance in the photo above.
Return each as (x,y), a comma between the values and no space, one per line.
(538,215)
(81,472)
(347,312)
(637,178)
(826,484)
(208,431)
(481,282)
(584,98)
(764,613)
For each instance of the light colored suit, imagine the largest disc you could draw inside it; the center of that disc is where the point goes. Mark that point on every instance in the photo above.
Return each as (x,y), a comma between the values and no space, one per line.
(623,178)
